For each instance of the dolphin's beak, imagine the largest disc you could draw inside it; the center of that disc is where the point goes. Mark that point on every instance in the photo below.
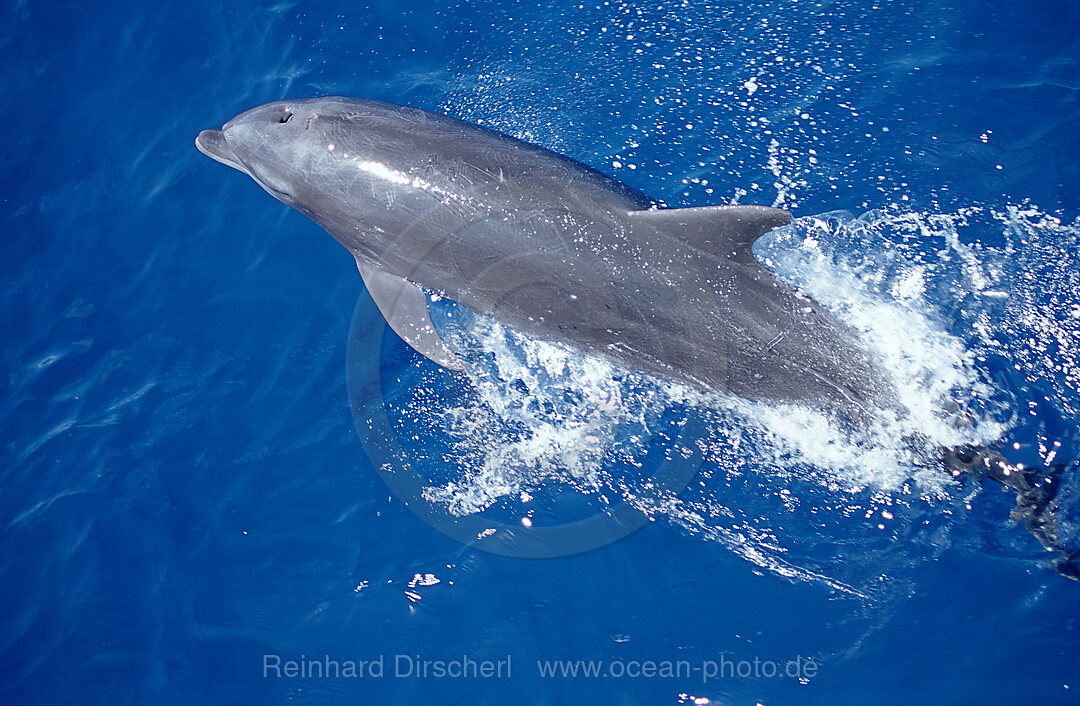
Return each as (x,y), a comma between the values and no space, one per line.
(212,143)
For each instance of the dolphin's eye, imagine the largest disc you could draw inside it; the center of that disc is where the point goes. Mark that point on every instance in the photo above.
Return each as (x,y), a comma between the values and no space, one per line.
(285,117)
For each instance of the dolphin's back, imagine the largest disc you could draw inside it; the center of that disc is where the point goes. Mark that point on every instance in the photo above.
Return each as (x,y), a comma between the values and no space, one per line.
(477,161)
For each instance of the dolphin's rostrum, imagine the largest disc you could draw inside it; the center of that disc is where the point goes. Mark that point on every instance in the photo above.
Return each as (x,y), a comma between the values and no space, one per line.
(554,249)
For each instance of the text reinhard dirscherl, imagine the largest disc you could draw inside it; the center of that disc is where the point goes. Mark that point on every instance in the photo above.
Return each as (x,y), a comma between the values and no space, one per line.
(402,666)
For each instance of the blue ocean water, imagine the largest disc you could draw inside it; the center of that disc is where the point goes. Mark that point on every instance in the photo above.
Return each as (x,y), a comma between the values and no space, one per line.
(187,504)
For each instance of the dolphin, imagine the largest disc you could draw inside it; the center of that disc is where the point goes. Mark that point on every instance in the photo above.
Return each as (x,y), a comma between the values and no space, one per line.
(551,248)
(562,252)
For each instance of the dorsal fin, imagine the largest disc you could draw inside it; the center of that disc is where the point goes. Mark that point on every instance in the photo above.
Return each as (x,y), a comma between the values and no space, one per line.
(724,231)
(405,308)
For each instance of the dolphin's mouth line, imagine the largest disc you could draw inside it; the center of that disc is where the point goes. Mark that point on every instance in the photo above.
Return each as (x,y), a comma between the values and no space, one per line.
(212,143)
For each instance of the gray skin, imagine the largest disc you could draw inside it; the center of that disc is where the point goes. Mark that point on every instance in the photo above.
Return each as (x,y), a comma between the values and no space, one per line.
(561,252)
(551,248)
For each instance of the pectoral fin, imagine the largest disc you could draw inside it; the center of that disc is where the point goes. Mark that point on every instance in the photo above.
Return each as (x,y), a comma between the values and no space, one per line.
(405,308)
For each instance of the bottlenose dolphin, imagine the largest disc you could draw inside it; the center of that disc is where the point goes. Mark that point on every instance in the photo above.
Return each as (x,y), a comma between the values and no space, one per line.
(558,251)
(551,248)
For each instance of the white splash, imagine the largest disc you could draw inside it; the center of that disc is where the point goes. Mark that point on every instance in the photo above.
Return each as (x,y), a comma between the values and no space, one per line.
(775,479)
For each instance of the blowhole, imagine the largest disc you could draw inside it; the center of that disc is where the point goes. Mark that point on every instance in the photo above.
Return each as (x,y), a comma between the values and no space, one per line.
(285,117)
